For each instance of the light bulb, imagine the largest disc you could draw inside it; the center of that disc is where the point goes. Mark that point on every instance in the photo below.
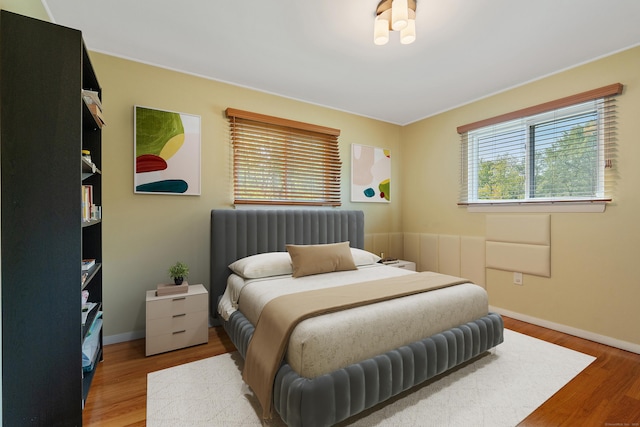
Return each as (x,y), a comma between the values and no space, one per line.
(408,33)
(399,14)
(381,29)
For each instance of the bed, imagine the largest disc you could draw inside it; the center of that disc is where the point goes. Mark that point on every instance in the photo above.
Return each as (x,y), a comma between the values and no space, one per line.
(338,364)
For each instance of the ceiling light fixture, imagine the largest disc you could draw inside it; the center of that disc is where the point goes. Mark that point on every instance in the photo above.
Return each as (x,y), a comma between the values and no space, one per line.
(395,15)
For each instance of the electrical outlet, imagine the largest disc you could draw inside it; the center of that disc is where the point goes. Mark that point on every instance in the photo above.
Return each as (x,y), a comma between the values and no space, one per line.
(517,278)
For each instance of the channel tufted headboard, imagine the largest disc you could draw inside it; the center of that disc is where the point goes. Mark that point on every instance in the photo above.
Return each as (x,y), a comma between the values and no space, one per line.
(237,234)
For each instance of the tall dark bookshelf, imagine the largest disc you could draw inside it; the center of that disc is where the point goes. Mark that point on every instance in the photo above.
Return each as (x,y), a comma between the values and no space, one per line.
(44,125)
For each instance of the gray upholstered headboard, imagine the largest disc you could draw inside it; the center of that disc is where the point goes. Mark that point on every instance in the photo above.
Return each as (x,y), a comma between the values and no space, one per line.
(236,234)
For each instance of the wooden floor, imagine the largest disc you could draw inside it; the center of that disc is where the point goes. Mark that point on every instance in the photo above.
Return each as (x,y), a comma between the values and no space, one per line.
(607,393)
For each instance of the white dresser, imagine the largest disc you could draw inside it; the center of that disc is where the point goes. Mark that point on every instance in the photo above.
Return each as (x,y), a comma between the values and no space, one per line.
(177,321)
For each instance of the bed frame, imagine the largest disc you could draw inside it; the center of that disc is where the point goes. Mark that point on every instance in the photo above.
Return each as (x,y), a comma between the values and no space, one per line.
(334,397)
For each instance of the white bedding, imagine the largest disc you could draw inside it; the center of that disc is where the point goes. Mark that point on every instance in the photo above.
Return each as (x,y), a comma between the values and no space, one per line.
(325,343)
(259,291)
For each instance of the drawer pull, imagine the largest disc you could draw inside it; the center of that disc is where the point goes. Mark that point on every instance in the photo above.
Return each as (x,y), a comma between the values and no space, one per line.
(178,299)
(180,332)
(179,315)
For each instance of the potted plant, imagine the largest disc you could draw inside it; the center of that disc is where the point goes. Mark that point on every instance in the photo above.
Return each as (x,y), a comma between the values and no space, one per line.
(178,272)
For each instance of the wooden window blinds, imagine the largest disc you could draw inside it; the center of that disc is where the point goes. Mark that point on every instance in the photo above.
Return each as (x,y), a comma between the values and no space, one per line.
(283,162)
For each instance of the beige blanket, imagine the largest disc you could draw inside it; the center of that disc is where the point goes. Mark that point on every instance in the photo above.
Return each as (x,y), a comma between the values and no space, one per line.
(280,316)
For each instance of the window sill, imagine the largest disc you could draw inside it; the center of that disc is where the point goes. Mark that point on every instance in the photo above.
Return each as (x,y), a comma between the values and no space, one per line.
(577,207)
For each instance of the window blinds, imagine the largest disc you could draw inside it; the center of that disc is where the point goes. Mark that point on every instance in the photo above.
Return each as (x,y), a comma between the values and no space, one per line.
(283,162)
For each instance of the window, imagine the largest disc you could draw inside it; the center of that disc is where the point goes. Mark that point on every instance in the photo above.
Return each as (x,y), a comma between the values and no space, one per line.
(283,162)
(560,151)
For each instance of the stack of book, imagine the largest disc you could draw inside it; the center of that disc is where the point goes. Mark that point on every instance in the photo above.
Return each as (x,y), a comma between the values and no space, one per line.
(172,289)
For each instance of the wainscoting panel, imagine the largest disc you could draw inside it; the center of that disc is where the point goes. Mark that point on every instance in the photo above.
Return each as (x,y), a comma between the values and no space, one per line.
(519,243)
(428,255)
(381,244)
(525,229)
(391,244)
(462,256)
(472,259)
(396,245)
(529,259)
(368,243)
(449,254)
(411,248)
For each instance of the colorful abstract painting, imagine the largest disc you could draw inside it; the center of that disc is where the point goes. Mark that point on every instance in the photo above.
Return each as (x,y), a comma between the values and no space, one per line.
(167,152)
(370,174)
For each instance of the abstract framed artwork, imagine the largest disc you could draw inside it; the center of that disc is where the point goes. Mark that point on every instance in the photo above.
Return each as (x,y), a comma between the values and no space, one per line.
(370,174)
(166,152)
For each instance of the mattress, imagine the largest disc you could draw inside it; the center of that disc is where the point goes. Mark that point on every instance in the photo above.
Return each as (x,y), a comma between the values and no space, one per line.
(322,344)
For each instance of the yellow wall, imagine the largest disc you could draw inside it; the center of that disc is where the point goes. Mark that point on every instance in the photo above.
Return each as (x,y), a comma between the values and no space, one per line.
(31,8)
(144,234)
(595,270)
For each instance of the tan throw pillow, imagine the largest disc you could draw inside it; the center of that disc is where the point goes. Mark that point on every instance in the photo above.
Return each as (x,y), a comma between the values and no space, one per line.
(316,259)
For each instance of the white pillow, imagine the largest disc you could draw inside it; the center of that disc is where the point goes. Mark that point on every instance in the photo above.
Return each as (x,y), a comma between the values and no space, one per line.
(263,265)
(362,257)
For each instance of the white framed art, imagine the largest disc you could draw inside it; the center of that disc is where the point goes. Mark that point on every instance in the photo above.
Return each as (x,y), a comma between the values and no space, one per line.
(166,152)
(370,174)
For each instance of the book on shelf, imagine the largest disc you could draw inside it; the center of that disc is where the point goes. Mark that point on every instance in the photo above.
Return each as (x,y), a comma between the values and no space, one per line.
(88,165)
(96,212)
(97,115)
(91,347)
(91,97)
(87,202)
(95,324)
(86,309)
(88,263)
(90,211)
(92,100)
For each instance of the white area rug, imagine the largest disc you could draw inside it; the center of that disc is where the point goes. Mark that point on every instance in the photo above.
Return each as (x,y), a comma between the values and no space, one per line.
(500,389)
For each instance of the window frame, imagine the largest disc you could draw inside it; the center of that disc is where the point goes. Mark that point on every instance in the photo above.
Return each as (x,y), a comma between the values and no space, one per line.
(524,120)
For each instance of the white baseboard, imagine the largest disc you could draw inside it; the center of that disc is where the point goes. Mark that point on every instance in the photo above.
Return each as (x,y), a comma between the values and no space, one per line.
(602,339)
(127,336)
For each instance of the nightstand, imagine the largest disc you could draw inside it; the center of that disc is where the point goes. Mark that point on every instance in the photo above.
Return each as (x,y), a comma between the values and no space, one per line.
(177,321)
(407,265)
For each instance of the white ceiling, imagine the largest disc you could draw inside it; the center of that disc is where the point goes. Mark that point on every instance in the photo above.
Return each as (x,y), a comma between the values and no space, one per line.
(322,51)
